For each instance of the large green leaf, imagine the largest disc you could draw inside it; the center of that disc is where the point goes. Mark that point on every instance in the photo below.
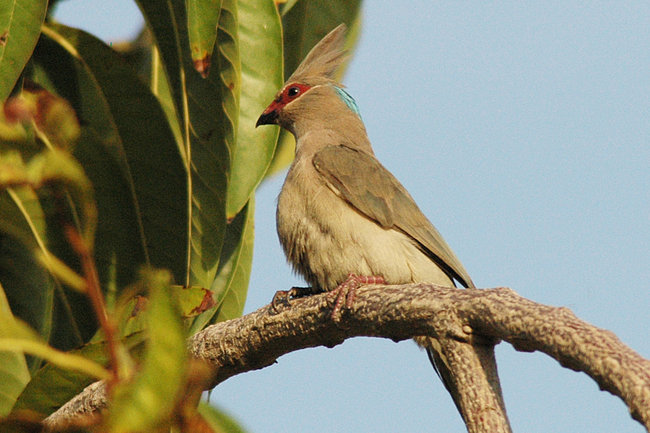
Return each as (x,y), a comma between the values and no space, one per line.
(208,214)
(20,25)
(231,284)
(202,24)
(260,43)
(13,367)
(207,111)
(128,151)
(305,22)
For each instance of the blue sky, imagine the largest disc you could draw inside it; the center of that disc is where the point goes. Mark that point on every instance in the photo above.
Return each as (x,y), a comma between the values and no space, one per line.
(522,129)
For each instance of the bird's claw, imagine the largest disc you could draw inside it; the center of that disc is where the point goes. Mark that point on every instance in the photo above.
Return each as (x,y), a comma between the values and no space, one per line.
(284,297)
(280,297)
(346,292)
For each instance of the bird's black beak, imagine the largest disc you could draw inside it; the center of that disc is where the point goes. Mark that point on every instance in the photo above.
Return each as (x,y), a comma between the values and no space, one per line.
(267,118)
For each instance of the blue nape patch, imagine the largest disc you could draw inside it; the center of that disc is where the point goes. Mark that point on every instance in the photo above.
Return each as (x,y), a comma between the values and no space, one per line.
(349,100)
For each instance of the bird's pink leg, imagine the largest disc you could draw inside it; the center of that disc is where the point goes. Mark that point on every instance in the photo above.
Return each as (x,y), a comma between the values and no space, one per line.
(345,292)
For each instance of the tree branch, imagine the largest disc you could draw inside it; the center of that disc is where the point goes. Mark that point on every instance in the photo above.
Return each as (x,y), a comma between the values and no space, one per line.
(457,317)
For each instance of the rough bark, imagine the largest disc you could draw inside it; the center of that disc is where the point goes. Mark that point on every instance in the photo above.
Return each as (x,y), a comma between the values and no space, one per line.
(468,322)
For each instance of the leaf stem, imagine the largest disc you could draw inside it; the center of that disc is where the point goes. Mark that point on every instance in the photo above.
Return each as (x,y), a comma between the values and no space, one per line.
(80,247)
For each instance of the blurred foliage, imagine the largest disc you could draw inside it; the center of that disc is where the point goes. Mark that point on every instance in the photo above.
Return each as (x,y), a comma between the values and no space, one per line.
(131,169)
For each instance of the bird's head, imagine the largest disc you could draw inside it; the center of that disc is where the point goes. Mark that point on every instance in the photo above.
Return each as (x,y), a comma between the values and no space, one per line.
(312,91)
(275,112)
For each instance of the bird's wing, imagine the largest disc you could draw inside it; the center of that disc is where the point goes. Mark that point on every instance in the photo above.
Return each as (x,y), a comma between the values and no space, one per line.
(361,180)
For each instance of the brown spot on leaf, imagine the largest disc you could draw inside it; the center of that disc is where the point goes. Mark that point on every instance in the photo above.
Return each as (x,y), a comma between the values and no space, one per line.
(206,303)
(140,305)
(203,65)
(3,38)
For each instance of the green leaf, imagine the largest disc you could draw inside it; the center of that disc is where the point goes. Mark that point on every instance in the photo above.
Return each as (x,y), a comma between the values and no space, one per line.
(52,386)
(202,20)
(141,404)
(219,420)
(208,220)
(207,111)
(29,288)
(17,337)
(231,285)
(260,44)
(20,25)
(128,150)
(13,367)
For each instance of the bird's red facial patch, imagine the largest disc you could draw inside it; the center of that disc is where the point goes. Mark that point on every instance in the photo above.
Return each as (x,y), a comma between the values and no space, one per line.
(288,94)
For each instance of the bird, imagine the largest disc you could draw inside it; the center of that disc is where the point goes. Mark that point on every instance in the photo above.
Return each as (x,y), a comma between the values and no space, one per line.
(342,218)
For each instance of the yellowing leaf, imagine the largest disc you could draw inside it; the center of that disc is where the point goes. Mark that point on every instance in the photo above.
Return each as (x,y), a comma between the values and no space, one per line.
(18,337)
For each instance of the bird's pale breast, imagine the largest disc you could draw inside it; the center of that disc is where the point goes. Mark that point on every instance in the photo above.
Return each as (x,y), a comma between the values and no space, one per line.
(325,238)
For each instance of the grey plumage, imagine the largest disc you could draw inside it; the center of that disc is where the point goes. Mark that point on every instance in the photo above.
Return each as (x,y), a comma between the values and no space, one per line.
(340,211)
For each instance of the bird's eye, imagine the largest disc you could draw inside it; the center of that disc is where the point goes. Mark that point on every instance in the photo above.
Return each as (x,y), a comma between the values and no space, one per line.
(293,91)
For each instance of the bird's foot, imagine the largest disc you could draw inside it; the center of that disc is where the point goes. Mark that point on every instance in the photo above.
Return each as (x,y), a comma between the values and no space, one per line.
(284,297)
(346,292)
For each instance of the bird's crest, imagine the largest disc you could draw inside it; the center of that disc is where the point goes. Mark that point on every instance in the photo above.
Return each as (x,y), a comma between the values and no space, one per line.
(323,60)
